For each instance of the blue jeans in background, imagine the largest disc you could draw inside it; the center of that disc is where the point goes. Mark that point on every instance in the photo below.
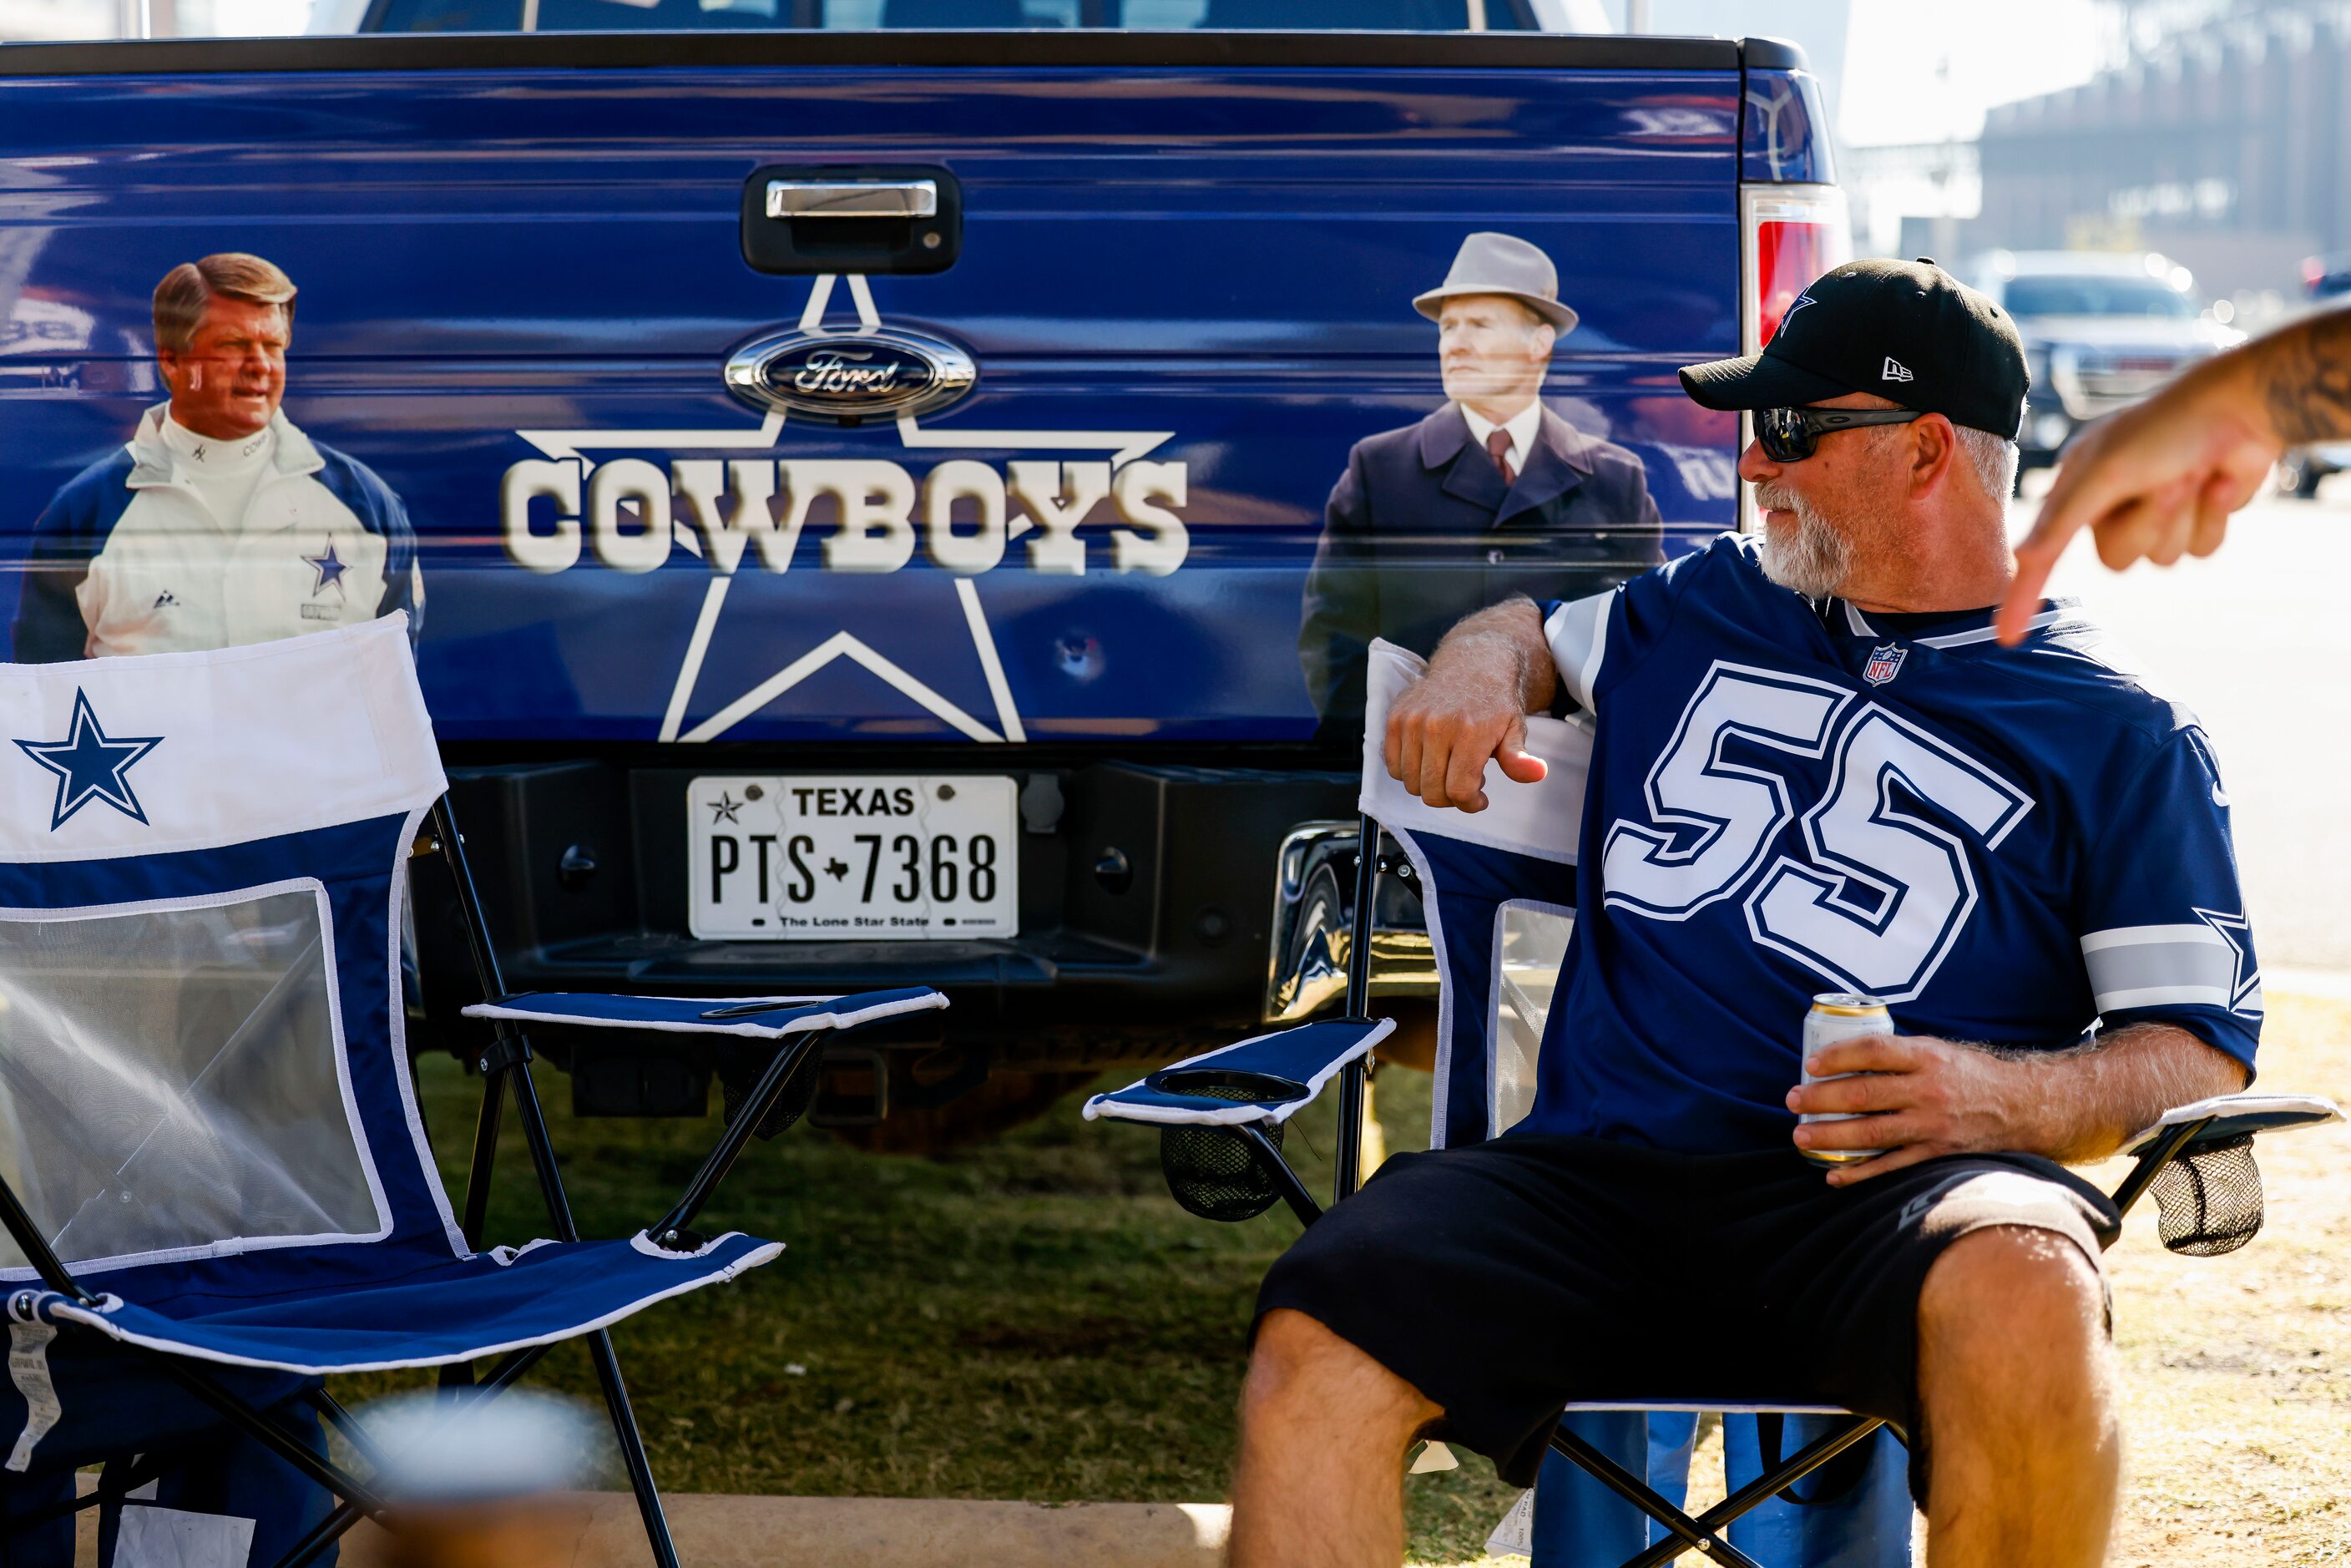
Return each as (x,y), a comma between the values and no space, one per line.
(1579,1524)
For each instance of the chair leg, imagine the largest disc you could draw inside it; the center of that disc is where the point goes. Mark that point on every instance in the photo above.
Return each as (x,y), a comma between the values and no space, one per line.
(1687,1533)
(1278,1171)
(145,1468)
(508,1369)
(624,1429)
(485,1154)
(1747,1499)
(793,1057)
(325,1534)
(344,1422)
(632,1449)
(550,1186)
(245,1418)
(600,1344)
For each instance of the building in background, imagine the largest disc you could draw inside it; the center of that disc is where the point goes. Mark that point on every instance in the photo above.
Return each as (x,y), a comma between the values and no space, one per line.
(2222,140)
(50,21)
(57,21)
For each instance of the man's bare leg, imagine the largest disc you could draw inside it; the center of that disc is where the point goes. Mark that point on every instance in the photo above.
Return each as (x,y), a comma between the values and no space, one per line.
(1324,1433)
(2016,1379)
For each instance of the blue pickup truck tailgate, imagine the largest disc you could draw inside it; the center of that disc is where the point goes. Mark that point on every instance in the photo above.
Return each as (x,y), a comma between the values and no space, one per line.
(1201,255)
(1184,279)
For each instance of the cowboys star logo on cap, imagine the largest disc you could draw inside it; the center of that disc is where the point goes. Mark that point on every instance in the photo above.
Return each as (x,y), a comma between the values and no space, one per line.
(90,765)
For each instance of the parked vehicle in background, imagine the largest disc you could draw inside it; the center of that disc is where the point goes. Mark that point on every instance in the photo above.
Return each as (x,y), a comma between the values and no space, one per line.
(2300,472)
(2101,331)
(2327,276)
(866,482)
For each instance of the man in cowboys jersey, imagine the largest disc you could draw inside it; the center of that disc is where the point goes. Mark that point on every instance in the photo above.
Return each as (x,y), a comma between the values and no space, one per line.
(218,523)
(1814,769)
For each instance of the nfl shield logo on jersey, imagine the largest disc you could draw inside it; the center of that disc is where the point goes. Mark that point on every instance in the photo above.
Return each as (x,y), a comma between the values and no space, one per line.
(1885,663)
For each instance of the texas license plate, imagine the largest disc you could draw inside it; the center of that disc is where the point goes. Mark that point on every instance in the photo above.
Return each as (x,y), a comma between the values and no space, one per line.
(853,857)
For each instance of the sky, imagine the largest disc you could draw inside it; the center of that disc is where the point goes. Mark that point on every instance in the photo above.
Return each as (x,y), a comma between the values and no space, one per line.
(1911,71)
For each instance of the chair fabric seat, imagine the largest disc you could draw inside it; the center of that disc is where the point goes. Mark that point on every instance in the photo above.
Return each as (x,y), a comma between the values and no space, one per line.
(2233,1115)
(775,1016)
(486,1305)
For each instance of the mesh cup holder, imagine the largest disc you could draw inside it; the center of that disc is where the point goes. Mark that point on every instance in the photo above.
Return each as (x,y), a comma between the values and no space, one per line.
(1212,1170)
(2209,1200)
(738,1075)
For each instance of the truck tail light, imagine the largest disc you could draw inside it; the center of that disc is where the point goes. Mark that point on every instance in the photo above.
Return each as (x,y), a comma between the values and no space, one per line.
(1789,234)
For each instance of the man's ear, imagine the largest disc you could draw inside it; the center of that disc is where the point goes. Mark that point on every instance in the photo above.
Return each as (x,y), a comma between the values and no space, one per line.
(1934,448)
(1542,336)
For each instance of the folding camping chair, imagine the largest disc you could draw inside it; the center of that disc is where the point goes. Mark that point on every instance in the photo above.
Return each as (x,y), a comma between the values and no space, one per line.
(1498,889)
(217,1179)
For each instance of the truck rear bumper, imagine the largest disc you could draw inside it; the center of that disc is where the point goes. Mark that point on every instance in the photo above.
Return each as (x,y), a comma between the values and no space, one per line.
(1147,897)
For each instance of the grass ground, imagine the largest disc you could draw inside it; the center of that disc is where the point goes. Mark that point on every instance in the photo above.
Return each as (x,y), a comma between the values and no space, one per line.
(1031,1318)
(1035,1318)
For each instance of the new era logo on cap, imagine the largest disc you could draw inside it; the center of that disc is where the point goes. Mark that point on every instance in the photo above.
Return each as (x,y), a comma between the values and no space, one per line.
(1904,330)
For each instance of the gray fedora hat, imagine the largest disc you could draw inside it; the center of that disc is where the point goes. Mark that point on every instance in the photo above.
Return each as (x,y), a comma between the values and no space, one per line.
(1504,265)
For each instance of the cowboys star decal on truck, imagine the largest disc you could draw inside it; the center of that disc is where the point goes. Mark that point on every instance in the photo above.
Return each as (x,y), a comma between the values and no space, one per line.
(959,515)
(886,506)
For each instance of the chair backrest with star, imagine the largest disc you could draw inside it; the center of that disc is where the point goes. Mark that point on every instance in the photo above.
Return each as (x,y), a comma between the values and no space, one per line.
(202,1068)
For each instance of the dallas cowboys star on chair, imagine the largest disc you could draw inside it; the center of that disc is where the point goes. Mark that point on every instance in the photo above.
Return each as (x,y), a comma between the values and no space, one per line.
(217,1184)
(1498,889)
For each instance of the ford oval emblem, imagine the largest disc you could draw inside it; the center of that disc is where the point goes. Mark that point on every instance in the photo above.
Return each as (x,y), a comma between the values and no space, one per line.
(847,376)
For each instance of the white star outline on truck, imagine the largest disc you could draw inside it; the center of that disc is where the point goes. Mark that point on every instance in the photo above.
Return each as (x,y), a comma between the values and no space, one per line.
(564,469)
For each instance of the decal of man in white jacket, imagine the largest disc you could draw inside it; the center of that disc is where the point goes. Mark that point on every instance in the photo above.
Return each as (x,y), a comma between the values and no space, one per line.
(218,523)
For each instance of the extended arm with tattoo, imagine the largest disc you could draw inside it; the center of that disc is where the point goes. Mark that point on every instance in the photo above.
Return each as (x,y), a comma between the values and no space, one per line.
(2305,376)
(1926,1097)
(2159,479)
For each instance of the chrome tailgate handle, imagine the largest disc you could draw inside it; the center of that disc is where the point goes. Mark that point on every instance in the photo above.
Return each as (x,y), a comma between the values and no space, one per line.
(809,219)
(852,198)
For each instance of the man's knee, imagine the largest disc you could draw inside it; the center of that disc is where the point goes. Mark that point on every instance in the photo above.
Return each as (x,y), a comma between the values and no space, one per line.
(2012,1294)
(1298,1362)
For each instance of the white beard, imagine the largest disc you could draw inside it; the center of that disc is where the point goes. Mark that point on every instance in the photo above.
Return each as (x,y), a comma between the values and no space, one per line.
(1815,561)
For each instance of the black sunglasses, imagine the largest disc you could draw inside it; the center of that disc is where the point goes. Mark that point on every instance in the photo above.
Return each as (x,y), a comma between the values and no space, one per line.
(1793,434)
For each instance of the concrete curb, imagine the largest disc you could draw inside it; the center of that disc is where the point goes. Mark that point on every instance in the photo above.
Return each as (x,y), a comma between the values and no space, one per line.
(721,1532)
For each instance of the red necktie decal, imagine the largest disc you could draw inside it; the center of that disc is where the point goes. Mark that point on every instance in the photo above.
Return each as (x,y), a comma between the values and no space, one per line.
(1498,443)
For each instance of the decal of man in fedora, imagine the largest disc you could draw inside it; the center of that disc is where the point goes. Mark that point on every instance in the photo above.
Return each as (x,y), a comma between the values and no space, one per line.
(1492,495)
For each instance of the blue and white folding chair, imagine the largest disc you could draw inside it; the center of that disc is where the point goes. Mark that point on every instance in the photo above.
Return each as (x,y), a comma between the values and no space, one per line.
(218,1186)
(1498,889)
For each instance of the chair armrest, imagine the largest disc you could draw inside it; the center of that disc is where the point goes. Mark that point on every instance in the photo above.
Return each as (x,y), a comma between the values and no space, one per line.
(752,1018)
(1266,1078)
(2233,1115)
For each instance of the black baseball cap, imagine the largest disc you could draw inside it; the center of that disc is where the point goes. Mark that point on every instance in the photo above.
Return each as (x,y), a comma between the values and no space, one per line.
(1906,330)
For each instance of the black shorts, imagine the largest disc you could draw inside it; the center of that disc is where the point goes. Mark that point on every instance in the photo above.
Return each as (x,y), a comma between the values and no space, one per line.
(1509,1278)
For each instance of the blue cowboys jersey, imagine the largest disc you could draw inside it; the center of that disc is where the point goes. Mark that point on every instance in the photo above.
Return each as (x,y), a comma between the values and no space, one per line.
(2005,844)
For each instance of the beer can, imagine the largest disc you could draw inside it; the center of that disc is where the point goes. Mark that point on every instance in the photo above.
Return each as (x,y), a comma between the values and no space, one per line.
(1835,1016)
